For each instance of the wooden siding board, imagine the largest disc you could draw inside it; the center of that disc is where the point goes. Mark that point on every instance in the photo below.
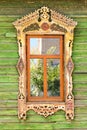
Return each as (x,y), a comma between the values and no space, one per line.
(9,75)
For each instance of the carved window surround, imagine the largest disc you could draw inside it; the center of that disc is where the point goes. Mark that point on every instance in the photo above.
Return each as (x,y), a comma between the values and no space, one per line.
(45,21)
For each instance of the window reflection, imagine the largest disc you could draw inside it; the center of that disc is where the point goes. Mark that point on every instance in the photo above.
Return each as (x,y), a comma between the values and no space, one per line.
(44,46)
(53,77)
(36,77)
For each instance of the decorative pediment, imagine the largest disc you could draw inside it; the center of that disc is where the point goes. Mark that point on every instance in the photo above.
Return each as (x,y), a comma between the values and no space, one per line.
(45,18)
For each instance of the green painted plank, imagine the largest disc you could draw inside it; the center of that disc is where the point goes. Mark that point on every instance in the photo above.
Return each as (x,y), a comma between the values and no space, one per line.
(79,85)
(8,87)
(8,30)
(6,24)
(8,71)
(81,25)
(4,39)
(81,93)
(80,32)
(80,39)
(40,119)
(8,61)
(11,34)
(7,78)
(78,60)
(9,18)
(80,46)
(8,103)
(9,112)
(80,19)
(79,53)
(9,54)
(26,126)
(8,95)
(43,126)
(80,77)
(22,11)
(80,68)
(9,46)
(80,110)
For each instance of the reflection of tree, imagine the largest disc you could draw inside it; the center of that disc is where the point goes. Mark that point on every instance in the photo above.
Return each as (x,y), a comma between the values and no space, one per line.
(52,76)
(36,77)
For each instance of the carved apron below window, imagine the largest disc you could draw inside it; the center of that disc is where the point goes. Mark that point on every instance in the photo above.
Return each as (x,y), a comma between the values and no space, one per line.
(45,25)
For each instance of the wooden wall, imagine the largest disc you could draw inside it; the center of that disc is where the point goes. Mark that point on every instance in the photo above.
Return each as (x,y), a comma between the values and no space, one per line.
(10,10)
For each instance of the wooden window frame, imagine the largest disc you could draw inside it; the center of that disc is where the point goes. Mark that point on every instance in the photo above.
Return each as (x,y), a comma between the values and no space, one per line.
(45,57)
(45,21)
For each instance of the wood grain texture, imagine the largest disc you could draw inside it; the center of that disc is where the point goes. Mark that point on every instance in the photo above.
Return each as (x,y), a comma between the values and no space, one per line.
(9,75)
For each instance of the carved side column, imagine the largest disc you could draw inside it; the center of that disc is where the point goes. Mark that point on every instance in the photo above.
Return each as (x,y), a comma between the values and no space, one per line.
(21,67)
(69,69)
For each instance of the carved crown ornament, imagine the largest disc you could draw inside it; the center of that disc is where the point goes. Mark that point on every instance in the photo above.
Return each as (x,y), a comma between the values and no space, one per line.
(45,21)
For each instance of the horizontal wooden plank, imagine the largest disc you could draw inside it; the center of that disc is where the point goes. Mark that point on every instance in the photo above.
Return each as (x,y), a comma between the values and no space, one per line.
(4,39)
(9,46)
(9,96)
(80,60)
(12,87)
(80,39)
(7,78)
(79,85)
(8,103)
(80,78)
(47,125)
(82,46)
(80,68)
(27,8)
(9,18)
(8,70)
(8,61)
(9,54)
(79,53)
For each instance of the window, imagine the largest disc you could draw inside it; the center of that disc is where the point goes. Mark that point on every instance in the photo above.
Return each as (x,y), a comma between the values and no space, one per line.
(45,64)
(45,68)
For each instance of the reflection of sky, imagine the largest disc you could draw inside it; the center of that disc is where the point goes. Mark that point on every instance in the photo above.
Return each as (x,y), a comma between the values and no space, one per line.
(34,43)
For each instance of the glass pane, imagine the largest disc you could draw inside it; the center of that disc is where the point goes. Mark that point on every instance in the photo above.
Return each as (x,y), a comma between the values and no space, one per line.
(44,46)
(53,77)
(36,77)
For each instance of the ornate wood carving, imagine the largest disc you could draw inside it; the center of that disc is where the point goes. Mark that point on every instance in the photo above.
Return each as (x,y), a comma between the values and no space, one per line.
(20,66)
(56,27)
(45,21)
(31,27)
(46,109)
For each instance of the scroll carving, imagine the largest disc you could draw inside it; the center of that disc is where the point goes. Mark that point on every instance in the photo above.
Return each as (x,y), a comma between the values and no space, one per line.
(45,21)
(31,27)
(56,27)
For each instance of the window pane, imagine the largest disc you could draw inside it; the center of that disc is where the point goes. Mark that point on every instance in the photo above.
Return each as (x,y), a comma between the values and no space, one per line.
(53,77)
(36,77)
(44,46)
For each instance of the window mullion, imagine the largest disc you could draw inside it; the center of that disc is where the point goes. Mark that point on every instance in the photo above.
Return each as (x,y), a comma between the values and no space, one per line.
(45,77)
